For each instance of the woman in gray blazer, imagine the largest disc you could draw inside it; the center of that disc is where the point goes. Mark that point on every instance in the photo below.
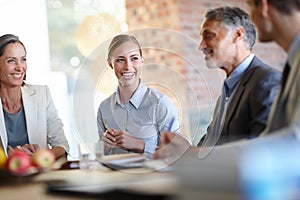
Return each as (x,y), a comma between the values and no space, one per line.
(28,117)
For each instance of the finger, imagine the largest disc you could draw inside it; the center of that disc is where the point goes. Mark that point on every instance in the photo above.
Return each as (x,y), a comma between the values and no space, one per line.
(110,131)
(108,141)
(109,137)
(120,139)
(118,133)
(36,146)
(19,148)
(158,154)
(155,155)
(167,137)
(105,134)
(27,148)
(31,148)
(10,149)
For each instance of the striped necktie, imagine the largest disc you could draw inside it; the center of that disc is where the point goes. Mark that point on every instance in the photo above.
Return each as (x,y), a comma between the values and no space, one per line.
(285,75)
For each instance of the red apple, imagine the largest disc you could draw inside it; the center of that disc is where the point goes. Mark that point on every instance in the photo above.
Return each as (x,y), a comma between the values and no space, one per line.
(19,163)
(43,158)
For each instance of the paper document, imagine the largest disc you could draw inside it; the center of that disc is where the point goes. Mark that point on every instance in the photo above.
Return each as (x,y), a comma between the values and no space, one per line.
(124,161)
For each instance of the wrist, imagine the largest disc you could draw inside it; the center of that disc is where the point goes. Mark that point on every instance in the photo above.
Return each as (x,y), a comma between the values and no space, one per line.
(140,147)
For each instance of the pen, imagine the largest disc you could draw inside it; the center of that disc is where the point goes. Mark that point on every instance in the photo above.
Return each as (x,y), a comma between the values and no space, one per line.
(168,130)
(171,124)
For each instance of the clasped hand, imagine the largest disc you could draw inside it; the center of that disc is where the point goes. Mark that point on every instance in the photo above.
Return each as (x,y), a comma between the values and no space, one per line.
(123,140)
(27,148)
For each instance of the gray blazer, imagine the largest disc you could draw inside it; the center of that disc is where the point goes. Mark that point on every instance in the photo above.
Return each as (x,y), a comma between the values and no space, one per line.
(43,124)
(249,108)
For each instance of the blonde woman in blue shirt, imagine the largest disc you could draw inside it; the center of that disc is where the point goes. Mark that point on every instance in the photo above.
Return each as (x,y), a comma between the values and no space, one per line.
(132,118)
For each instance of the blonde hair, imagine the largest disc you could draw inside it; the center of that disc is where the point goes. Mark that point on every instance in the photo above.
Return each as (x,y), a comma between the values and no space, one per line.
(120,39)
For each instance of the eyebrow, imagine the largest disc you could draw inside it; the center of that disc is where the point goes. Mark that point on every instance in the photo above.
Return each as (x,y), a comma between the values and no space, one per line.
(121,56)
(133,55)
(14,57)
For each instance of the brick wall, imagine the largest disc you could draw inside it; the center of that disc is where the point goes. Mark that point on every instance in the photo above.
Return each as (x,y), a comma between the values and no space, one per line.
(169,32)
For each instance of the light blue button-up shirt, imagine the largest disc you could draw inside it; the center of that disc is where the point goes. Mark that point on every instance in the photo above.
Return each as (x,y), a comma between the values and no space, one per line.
(145,116)
(235,76)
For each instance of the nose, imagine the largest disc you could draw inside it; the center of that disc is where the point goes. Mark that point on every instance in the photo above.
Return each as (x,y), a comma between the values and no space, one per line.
(202,45)
(127,64)
(19,65)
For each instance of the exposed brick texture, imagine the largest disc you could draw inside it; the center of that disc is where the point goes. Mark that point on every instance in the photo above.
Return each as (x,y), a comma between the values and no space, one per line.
(169,29)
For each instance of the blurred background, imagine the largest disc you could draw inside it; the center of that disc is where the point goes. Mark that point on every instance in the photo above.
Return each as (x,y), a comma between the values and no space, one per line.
(67,40)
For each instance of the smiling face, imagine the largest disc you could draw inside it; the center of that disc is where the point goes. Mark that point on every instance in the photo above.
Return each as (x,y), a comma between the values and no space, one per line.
(217,44)
(13,65)
(126,61)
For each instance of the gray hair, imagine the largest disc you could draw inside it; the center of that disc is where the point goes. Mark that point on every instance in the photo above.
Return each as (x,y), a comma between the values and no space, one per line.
(234,17)
(8,39)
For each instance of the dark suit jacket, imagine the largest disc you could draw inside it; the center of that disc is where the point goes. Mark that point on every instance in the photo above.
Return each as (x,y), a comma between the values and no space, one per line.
(249,108)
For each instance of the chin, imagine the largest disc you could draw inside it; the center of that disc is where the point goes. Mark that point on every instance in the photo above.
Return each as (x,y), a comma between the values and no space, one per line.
(127,83)
(265,35)
(210,63)
(265,40)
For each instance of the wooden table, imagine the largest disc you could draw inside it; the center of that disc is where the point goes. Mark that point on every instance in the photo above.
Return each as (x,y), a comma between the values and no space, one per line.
(192,180)
(103,183)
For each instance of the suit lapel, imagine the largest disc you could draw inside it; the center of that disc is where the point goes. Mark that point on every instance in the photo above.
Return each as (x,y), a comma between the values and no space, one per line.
(293,76)
(3,133)
(239,91)
(283,109)
(30,108)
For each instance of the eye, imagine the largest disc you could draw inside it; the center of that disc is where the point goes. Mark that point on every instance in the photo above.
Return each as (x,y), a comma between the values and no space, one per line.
(135,58)
(11,61)
(208,36)
(119,60)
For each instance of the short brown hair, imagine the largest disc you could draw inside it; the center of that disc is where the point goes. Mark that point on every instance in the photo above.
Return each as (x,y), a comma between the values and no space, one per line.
(284,6)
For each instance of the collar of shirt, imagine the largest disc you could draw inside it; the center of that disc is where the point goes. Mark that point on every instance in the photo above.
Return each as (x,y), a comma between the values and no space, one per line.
(136,98)
(235,75)
(294,50)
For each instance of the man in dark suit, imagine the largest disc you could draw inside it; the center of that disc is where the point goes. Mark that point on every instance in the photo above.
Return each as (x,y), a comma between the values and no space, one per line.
(277,21)
(283,27)
(241,112)
(282,18)
(266,167)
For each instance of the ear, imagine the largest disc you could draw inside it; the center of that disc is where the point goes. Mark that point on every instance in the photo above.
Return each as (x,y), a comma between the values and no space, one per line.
(239,34)
(264,7)
(110,64)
